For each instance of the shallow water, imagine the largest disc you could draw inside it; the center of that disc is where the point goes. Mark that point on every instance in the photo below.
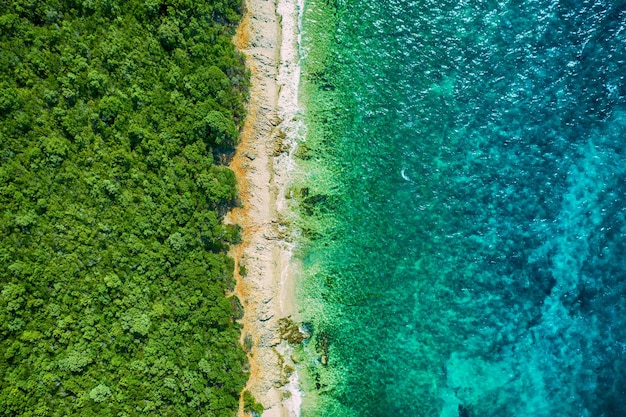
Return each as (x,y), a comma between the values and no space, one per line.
(464,198)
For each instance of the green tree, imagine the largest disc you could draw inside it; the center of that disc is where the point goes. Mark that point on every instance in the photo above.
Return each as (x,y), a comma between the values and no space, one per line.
(113,266)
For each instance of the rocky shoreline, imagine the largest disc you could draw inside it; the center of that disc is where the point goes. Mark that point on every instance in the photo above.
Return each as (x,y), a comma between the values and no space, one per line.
(268,36)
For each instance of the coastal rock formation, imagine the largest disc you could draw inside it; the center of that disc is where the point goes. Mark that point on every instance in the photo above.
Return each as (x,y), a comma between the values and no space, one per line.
(268,38)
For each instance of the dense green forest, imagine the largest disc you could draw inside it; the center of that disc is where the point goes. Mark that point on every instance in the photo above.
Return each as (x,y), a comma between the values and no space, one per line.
(115,117)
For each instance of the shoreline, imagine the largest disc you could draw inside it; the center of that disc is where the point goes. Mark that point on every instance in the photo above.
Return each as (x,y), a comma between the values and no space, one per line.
(268,36)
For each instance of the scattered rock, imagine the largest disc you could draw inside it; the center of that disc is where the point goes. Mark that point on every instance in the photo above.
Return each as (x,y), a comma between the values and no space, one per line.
(248,343)
(290,331)
(322,346)
(266,317)
(280,144)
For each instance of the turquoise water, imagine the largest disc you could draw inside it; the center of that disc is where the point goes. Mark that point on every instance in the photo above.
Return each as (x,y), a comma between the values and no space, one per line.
(463,200)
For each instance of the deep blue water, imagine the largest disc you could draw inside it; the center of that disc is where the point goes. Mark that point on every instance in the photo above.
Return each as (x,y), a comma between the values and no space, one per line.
(465,206)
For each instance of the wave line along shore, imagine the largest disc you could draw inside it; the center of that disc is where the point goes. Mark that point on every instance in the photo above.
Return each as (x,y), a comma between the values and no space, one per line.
(269,37)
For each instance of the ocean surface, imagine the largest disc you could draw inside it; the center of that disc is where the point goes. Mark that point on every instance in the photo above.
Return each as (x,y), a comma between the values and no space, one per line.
(462,195)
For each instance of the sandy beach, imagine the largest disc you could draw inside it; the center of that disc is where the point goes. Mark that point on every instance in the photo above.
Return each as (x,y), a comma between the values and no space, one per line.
(268,36)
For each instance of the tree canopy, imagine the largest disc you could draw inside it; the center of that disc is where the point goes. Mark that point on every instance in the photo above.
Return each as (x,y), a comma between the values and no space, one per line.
(114,117)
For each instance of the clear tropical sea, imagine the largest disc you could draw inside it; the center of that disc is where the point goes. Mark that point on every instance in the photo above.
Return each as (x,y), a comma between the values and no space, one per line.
(463,200)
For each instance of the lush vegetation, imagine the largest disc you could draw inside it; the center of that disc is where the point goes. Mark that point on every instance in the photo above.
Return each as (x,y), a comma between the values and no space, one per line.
(115,116)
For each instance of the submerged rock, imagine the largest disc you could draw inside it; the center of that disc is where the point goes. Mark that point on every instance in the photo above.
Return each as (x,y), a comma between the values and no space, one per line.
(291,331)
